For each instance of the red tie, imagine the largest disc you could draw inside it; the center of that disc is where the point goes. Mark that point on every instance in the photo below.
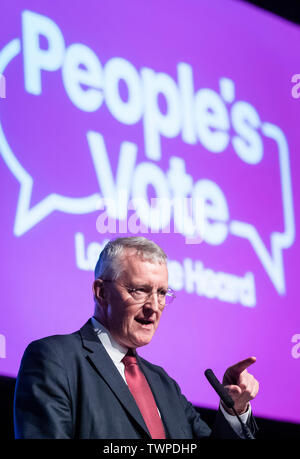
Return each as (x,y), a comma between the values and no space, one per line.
(141,391)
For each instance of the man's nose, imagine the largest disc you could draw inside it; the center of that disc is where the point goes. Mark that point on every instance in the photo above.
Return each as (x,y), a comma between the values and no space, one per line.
(152,302)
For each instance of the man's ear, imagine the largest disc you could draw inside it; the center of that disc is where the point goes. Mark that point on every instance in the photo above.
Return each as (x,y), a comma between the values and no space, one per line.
(98,290)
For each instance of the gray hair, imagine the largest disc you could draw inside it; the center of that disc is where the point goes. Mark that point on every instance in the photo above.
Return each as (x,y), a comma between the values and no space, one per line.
(109,265)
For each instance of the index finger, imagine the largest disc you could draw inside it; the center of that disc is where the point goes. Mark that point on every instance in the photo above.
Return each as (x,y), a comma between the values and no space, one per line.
(239,367)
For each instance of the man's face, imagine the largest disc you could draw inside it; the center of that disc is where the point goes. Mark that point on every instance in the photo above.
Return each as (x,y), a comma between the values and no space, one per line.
(131,322)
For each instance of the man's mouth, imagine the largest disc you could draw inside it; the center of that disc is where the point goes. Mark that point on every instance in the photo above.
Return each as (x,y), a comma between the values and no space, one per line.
(143,321)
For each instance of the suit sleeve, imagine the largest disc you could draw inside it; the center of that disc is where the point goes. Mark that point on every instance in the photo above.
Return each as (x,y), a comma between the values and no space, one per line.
(42,405)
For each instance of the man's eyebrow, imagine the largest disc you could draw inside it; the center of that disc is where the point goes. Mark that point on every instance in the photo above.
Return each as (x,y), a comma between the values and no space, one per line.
(146,286)
(140,284)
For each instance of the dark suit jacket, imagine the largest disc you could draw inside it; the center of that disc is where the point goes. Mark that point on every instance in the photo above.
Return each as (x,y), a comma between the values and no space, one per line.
(68,387)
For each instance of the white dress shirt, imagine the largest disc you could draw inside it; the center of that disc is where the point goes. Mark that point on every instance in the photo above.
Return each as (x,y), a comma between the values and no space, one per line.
(117,352)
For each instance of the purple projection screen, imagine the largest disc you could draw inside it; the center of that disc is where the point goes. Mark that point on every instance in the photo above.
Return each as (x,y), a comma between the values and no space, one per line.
(178,121)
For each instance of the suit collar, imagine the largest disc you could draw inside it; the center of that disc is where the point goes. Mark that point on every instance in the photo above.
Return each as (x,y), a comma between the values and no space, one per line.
(89,338)
(114,349)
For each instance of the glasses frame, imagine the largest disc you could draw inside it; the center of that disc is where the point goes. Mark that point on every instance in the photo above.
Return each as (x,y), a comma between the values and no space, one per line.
(169,294)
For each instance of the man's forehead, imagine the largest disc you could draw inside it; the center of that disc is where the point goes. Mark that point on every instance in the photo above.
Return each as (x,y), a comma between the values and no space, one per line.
(138,265)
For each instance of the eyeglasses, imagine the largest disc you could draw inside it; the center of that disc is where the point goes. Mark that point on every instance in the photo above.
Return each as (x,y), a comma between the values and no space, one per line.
(143,293)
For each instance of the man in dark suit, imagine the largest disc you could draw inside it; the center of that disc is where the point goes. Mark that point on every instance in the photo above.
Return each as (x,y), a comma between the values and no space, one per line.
(92,383)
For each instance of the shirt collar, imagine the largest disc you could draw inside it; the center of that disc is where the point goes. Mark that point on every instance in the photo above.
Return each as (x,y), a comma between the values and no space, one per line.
(114,349)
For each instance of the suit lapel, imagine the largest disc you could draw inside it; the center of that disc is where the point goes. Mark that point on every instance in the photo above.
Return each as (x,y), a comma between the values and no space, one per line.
(104,366)
(167,410)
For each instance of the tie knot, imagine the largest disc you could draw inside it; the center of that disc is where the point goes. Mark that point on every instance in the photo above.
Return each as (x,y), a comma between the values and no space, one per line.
(129,358)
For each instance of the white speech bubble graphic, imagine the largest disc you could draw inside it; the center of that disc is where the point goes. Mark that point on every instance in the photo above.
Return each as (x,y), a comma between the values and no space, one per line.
(26,217)
(273,262)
